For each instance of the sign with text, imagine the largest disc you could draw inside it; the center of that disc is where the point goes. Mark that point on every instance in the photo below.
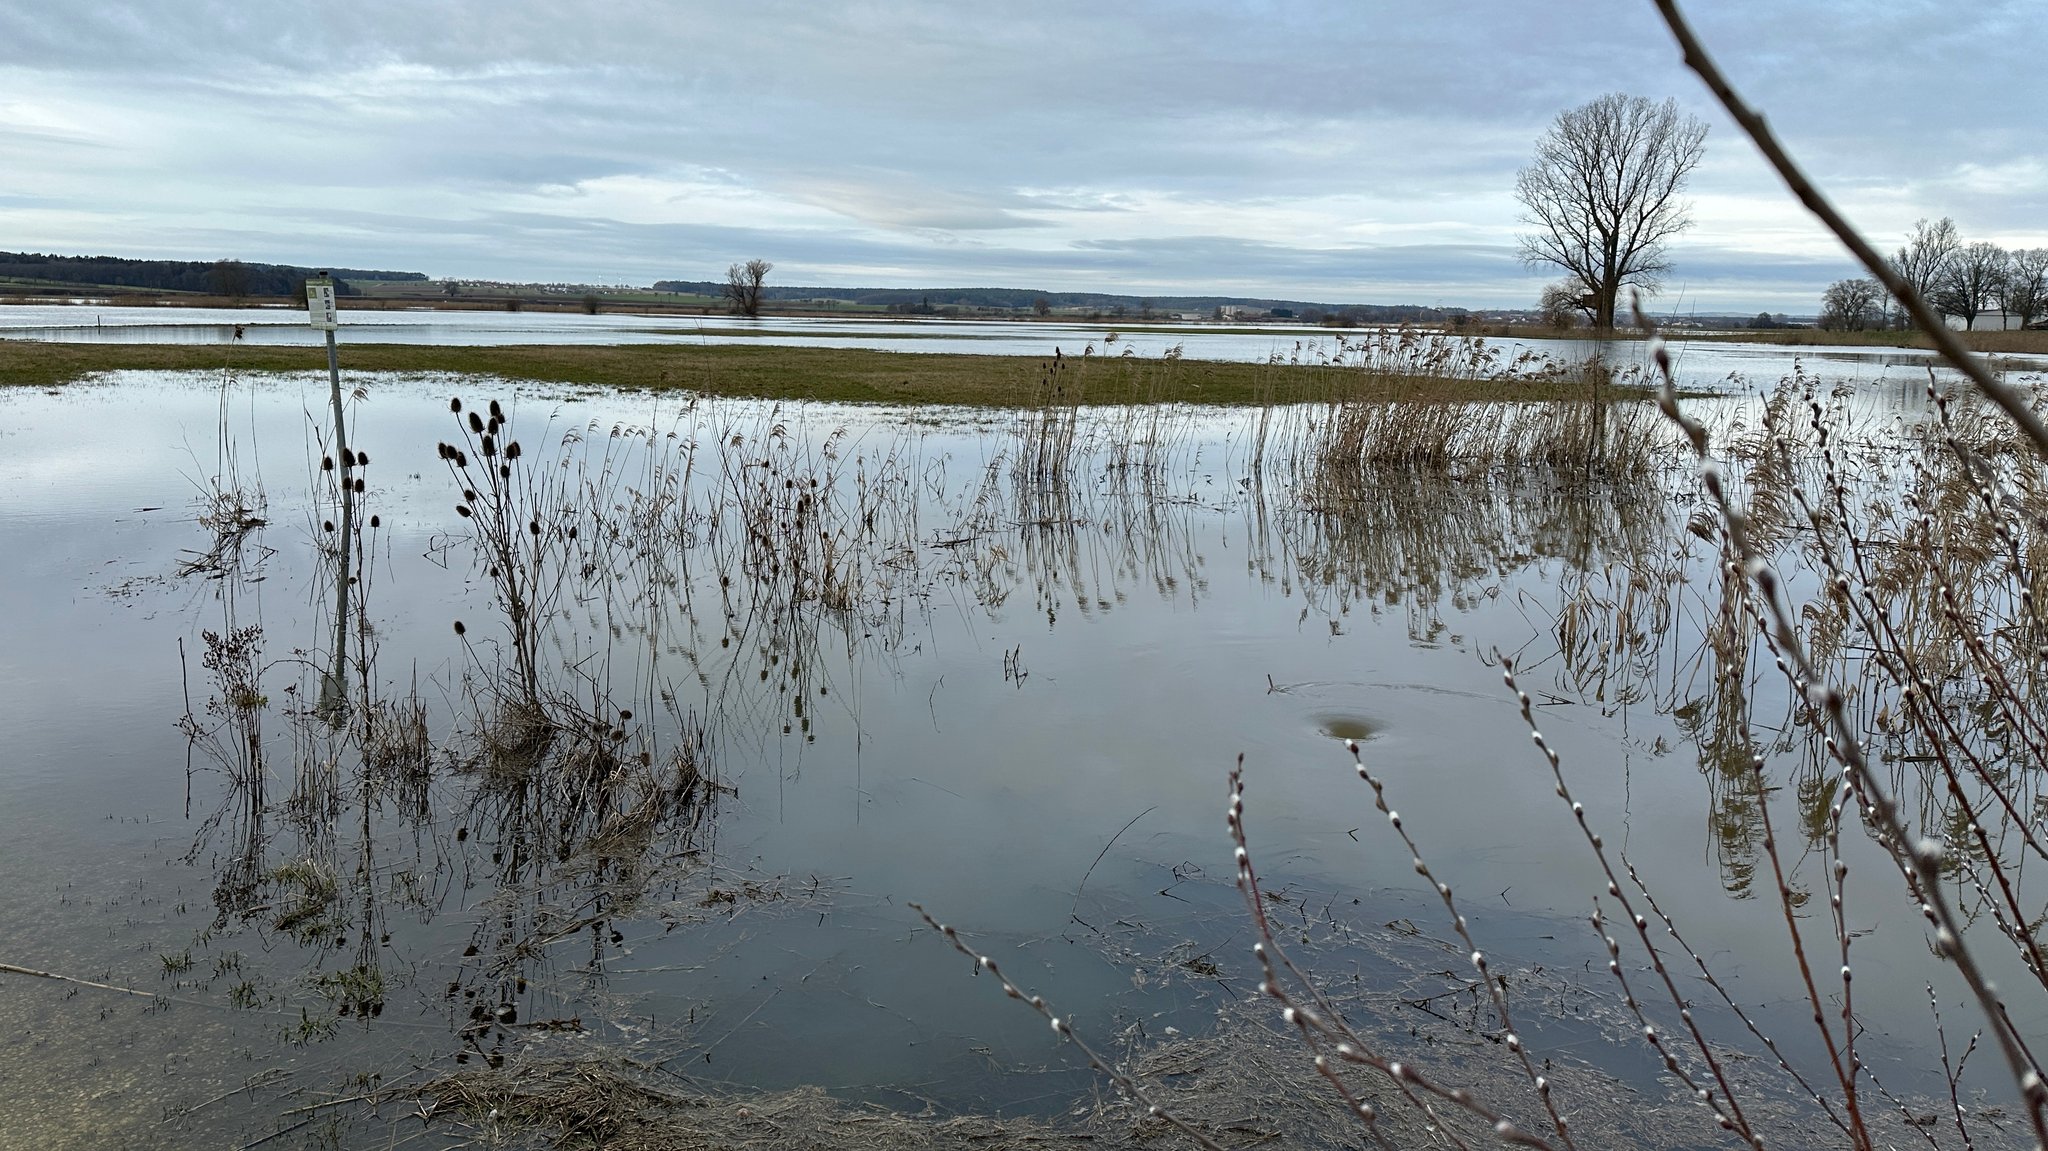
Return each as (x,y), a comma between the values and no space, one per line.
(320,303)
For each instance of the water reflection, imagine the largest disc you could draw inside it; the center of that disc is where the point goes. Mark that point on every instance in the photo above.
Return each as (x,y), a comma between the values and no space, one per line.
(723,655)
(654,597)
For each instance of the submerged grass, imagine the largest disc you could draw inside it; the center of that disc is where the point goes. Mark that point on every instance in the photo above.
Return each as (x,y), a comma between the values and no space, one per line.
(834,374)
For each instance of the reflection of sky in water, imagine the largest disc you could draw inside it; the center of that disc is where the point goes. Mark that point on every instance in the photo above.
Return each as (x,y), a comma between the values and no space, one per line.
(1699,364)
(1025,694)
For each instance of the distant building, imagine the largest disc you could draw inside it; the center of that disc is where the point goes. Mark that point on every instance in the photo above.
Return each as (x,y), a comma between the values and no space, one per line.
(1988,321)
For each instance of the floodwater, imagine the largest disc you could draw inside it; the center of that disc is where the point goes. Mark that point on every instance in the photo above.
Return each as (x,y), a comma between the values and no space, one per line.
(1700,364)
(782,711)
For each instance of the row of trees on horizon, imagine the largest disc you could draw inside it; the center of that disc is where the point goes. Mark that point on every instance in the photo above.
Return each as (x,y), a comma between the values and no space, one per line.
(1965,281)
(234,279)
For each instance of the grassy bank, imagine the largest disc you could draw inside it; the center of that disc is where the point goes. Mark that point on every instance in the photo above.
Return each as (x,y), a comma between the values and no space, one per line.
(840,374)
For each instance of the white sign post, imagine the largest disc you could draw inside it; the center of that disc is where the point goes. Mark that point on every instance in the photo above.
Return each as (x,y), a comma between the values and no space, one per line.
(320,303)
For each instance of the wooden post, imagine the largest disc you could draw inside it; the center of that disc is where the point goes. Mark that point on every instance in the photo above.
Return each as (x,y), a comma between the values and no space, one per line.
(321,313)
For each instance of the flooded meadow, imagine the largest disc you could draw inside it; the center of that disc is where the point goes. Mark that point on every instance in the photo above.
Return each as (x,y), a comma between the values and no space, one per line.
(557,766)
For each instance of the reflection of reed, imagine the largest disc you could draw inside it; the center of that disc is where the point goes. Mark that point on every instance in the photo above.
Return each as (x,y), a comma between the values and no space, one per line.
(1916,547)
(1394,539)
(776,558)
(585,808)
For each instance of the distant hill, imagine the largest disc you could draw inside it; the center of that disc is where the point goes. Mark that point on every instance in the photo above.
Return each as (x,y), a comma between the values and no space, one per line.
(203,277)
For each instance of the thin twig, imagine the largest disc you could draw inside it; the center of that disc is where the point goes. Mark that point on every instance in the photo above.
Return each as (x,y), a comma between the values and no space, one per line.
(1951,347)
(1075,910)
(11,969)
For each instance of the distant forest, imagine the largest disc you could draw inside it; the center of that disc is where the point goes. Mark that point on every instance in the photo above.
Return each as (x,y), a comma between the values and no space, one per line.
(232,278)
(916,300)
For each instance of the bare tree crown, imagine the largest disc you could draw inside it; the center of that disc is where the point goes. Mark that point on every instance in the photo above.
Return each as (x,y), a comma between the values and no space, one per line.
(1602,195)
(743,286)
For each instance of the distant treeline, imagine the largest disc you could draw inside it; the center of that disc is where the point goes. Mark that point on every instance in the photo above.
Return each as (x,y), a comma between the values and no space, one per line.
(916,300)
(208,277)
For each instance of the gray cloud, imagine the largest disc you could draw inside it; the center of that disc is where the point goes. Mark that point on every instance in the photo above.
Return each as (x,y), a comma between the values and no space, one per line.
(1320,148)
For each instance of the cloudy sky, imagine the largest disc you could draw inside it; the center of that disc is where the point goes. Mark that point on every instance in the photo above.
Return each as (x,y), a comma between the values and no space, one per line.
(1342,150)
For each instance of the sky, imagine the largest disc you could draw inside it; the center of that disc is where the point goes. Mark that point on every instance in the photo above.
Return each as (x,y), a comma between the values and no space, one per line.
(1352,151)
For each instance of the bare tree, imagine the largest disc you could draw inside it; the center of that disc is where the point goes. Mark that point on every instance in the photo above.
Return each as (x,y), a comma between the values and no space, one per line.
(1924,259)
(1563,303)
(743,286)
(1603,194)
(1852,305)
(1970,280)
(2024,290)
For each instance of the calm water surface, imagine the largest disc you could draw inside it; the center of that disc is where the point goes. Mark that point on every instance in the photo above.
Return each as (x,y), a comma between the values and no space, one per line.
(1011,700)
